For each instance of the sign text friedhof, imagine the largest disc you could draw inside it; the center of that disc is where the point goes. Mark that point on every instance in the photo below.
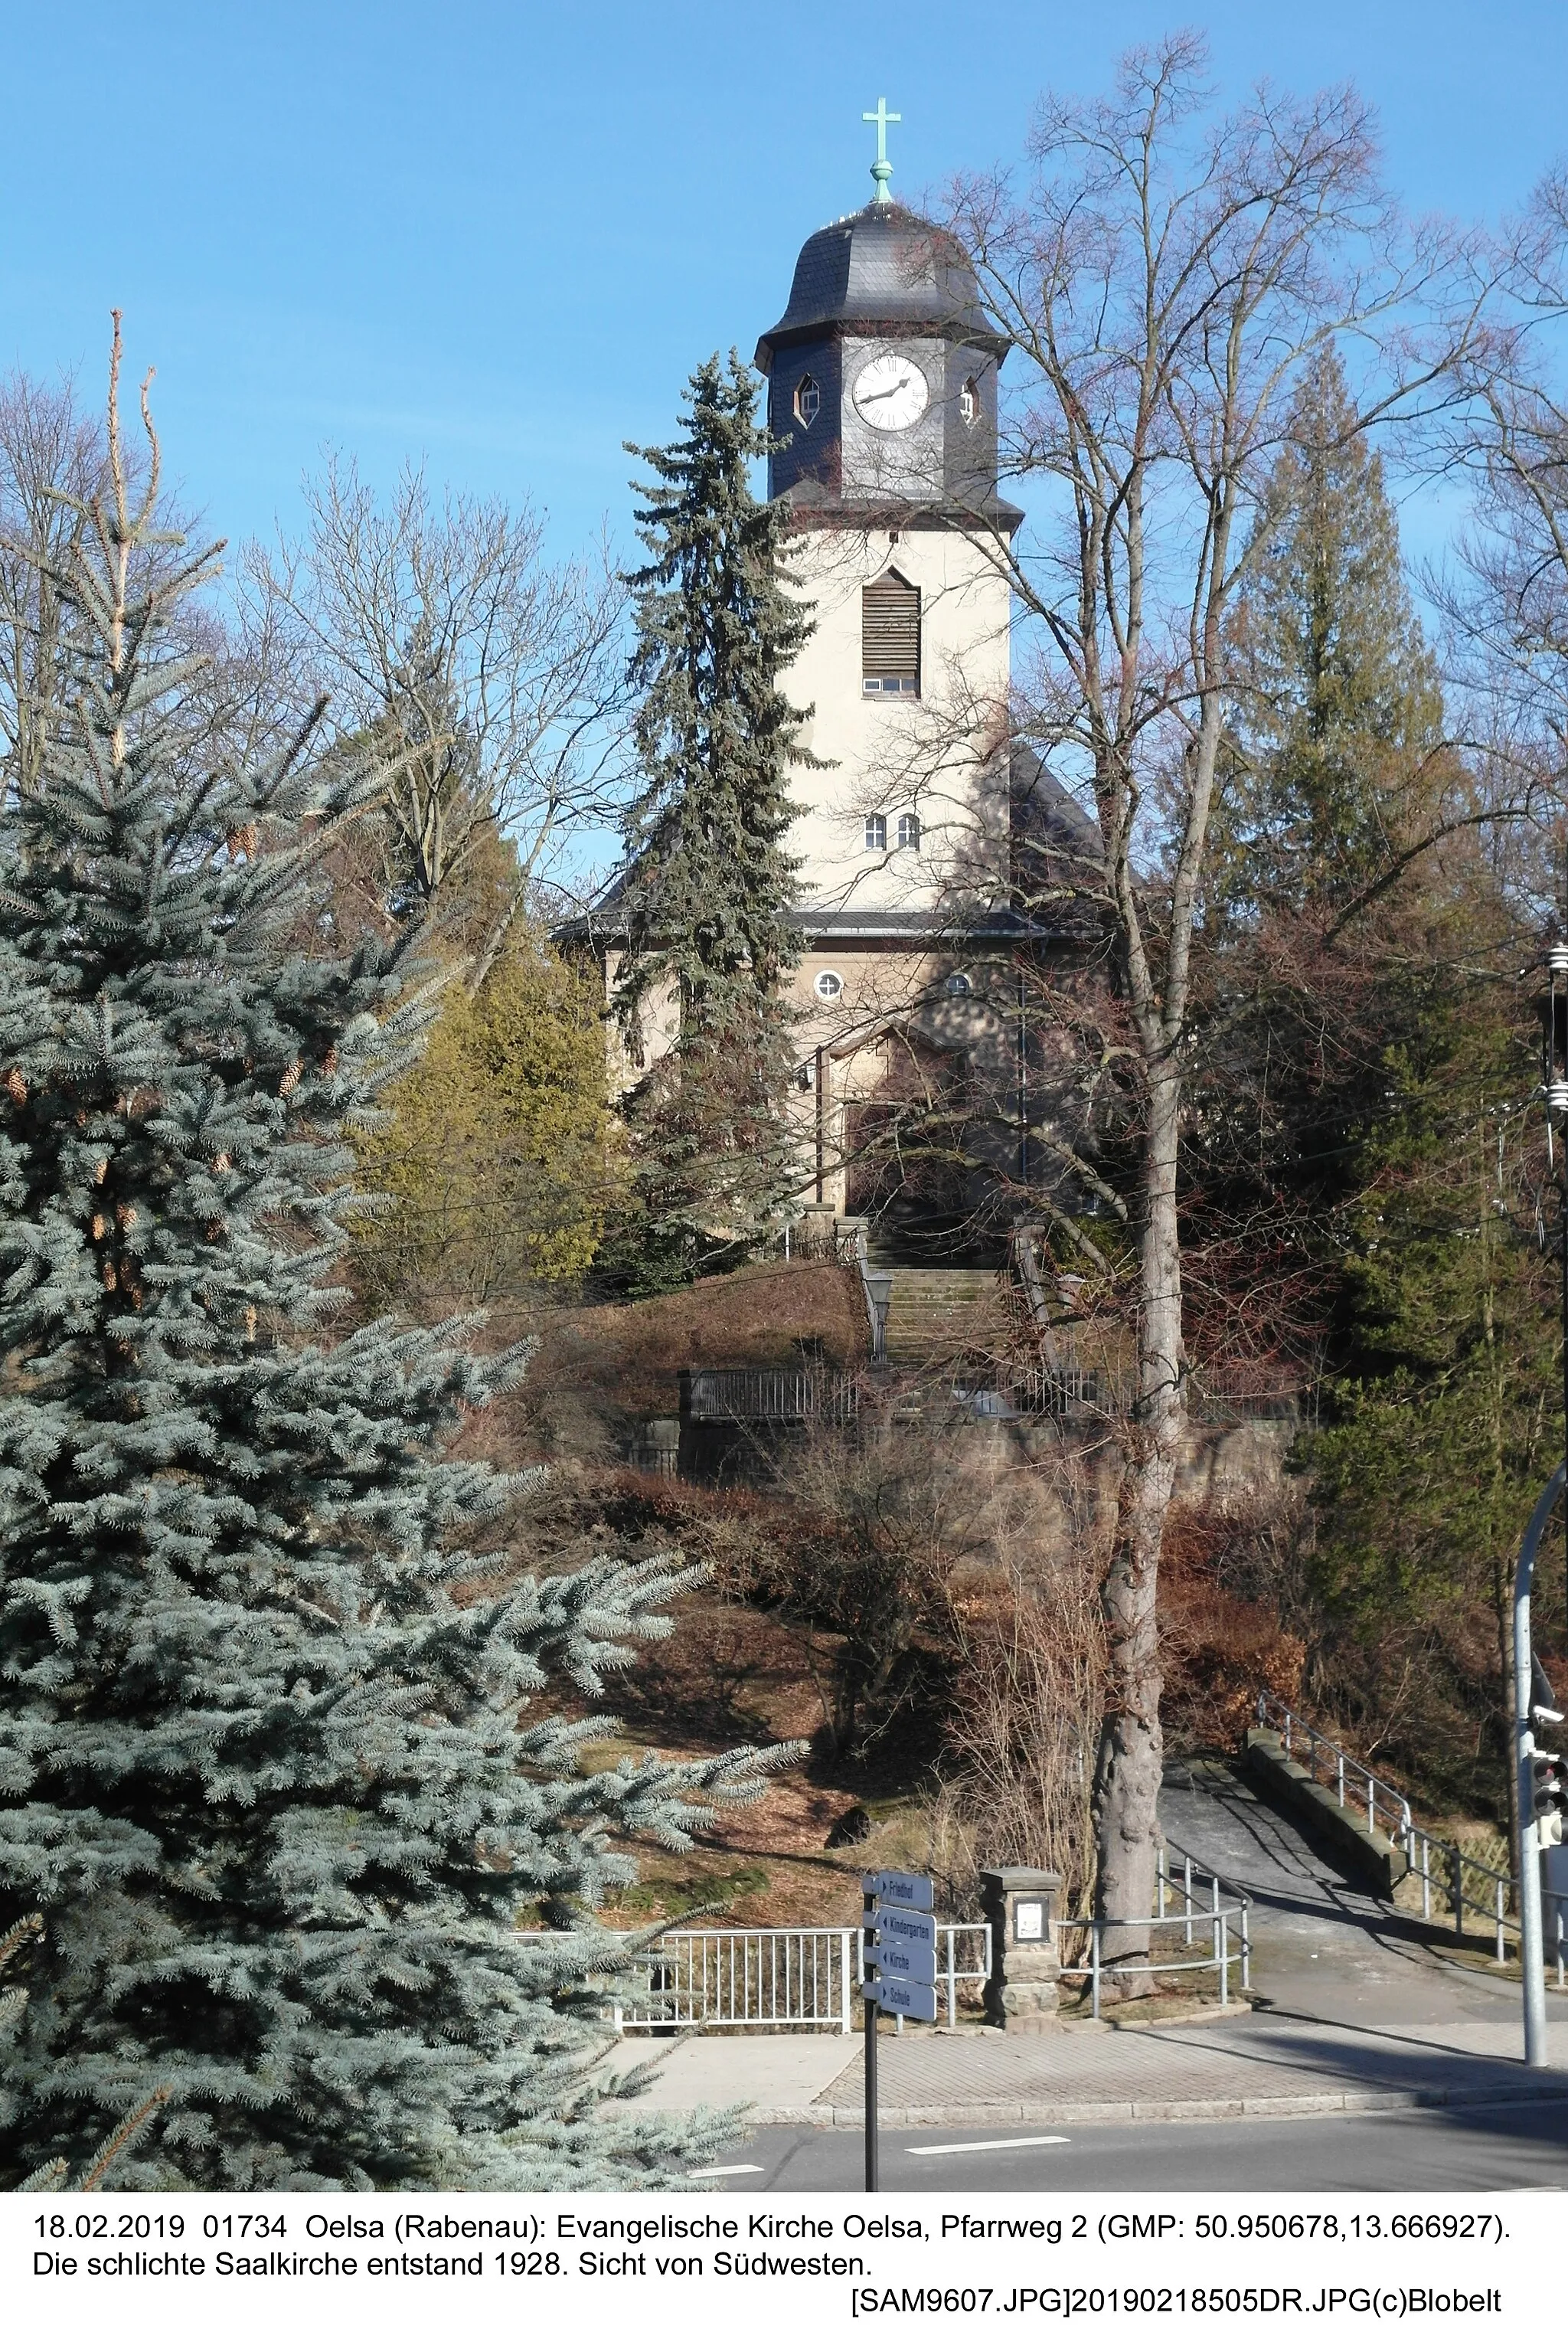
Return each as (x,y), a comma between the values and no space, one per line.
(903,1892)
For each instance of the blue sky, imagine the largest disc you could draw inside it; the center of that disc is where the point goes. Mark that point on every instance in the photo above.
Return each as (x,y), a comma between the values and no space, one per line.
(496,236)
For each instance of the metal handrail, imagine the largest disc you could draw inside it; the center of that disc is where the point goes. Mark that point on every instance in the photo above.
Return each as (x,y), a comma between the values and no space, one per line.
(1218,1960)
(1191,1910)
(1385,1805)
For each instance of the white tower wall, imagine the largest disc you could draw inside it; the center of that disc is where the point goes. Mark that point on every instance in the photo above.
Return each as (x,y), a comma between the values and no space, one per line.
(941,756)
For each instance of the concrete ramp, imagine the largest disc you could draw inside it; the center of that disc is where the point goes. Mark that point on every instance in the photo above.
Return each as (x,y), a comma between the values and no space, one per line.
(1327,1942)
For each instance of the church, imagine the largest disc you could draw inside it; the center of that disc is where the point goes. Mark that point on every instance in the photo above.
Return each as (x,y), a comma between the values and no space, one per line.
(882,382)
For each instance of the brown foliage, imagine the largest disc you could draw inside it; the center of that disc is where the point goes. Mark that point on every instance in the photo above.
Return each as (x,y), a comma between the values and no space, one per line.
(1219,1647)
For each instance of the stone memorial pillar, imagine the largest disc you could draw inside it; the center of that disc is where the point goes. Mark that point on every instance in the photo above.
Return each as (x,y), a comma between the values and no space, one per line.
(813,1232)
(1019,1906)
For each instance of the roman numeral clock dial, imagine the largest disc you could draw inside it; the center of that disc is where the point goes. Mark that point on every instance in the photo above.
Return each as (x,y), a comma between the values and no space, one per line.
(891,392)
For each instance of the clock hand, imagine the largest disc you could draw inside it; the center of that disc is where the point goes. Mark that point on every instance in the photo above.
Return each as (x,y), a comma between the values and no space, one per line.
(879,395)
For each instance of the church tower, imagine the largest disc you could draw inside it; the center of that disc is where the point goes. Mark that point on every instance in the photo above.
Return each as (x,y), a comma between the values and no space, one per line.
(882,376)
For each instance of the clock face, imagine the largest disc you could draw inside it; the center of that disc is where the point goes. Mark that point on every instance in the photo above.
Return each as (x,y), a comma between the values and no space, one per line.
(891,392)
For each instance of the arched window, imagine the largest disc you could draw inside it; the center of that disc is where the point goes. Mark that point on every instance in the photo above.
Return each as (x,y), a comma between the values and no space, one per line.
(876,832)
(807,399)
(890,636)
(909,830)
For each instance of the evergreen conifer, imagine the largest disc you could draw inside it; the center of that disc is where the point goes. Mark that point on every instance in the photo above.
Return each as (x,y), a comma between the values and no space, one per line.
(706,904)
(265,1767)
(1335,767)
(1338,711)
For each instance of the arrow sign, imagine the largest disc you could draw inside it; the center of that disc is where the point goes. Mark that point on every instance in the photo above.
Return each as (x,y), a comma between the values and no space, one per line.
(913,1999)
(903,1960)
(905,1925)
(904,1891)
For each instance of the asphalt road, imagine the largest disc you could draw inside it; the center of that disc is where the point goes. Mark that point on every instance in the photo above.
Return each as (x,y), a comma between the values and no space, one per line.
(1481,2150)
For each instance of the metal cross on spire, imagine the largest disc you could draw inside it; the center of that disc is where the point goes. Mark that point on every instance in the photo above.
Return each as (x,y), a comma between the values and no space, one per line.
(881,168)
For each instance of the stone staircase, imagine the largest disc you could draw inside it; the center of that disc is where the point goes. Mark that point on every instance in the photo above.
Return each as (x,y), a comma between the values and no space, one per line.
(934,1314)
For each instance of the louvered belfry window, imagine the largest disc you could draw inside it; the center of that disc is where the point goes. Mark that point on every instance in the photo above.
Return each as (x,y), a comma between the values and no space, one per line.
(890,636)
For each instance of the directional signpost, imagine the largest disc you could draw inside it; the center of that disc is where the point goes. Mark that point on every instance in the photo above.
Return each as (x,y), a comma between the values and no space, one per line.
(900,1970)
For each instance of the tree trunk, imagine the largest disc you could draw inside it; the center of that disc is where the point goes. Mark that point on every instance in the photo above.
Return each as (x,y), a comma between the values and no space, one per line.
(1131,1757)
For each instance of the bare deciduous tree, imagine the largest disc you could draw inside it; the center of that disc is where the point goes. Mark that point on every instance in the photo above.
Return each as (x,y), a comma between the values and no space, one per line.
(489,680)
(48,451)
(55,463)
(1504,594)
(1162,277)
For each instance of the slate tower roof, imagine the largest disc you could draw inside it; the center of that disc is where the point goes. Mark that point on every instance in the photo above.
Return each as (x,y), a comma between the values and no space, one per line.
(882,271)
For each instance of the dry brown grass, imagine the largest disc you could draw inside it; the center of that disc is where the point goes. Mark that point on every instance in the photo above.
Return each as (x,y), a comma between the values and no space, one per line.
(601,1370)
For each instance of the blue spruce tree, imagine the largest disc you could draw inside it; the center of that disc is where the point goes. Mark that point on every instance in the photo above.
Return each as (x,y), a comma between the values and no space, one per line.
(268,1780)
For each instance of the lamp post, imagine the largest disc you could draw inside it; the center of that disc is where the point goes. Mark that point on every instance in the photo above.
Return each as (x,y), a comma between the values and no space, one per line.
(1555,1091)
(1528,1716)
(1533,1706)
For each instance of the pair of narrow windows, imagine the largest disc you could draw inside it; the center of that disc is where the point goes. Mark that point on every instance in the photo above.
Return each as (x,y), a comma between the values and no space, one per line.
(908,831)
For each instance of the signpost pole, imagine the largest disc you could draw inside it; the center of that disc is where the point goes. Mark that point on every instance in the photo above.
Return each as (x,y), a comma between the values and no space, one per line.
(872,2185)
(871,2010)
(900,1953)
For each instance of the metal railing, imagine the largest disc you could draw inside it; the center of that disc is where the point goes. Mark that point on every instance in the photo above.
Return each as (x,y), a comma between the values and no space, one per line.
(1194,1895)
(778,1977)
(1447,1871)
(768,1394)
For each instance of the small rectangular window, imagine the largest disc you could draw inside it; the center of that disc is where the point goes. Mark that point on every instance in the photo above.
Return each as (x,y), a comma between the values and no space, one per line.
(890,636)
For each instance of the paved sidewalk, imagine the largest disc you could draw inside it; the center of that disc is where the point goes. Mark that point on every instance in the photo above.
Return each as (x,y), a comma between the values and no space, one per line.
(779,2079)
(1256,2065)
(1357,2013)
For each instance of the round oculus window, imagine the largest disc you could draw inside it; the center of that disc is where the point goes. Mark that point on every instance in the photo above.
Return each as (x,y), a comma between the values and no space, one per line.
(829,985)
(957,983)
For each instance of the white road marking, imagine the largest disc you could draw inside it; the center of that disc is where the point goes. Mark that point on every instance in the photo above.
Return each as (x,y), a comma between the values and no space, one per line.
(1003,2143)
(724,2171)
